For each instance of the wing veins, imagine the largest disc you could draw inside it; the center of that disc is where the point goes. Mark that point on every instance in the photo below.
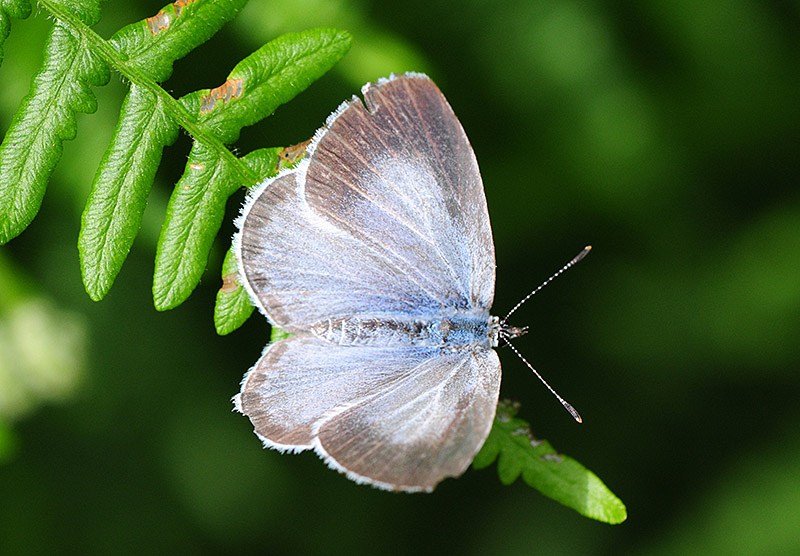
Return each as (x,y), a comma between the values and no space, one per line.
(399,384)
(399,268)
(419,155)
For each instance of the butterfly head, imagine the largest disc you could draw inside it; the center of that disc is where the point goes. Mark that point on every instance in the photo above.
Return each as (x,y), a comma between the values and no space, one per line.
(499,330)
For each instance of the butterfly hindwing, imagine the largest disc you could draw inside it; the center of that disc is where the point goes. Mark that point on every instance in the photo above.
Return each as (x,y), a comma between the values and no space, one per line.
(397,419)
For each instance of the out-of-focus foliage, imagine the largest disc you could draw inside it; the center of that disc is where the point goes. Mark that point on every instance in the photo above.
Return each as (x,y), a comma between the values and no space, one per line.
(663,133)
(42,349)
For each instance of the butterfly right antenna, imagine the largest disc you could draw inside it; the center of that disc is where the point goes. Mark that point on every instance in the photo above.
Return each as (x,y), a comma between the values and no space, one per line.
(575,260)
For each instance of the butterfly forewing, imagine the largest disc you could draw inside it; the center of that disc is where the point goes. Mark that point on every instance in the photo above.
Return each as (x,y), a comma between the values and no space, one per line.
(400,175)
(301,269)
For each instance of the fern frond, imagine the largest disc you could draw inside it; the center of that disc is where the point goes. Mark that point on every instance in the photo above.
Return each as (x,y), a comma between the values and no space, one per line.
(555,475)
(149,121)
(32,145)
(118,197)
(151,46)
(233,306)
(144,53)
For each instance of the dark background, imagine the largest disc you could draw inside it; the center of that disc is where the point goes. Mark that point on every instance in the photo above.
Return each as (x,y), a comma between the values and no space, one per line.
(664,133)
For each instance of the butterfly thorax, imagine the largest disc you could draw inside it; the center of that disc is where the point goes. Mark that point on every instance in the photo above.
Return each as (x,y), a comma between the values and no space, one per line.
(452,332)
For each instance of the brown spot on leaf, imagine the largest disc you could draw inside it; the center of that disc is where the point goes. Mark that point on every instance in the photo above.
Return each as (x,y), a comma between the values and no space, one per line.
(292,154)
(230,283)
(158,22)
(231,89)
(179,6)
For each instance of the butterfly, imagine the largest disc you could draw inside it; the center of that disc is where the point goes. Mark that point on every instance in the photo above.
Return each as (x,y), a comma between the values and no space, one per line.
(375,253)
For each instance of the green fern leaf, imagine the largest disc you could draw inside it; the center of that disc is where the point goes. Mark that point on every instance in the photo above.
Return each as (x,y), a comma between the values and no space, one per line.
(152,45)
(78,14)
(233,305)
(277,334)
(272,75)
(33,144)
(194,215)
(144,53)
(263,162)
(18,9)
(118,197)
(555,475)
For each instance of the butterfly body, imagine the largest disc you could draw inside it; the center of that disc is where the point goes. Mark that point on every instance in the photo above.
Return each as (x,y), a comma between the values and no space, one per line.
(450,332)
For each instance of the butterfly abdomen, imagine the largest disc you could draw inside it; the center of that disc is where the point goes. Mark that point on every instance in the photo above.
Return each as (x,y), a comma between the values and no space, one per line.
(452,332)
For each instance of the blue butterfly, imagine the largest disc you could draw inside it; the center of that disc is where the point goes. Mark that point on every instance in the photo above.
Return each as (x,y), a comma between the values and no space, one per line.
(376,254)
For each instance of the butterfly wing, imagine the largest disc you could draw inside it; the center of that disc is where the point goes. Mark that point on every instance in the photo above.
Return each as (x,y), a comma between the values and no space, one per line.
(300,269)
(386,215)
(400,175)
(420,430)
(300,379)
(396,419)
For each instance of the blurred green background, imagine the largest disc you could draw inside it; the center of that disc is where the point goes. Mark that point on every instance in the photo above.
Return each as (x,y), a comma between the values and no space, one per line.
(664,133)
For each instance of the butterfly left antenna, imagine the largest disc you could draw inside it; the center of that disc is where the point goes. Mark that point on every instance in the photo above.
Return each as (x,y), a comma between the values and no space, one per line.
(565,403)
(563,269)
